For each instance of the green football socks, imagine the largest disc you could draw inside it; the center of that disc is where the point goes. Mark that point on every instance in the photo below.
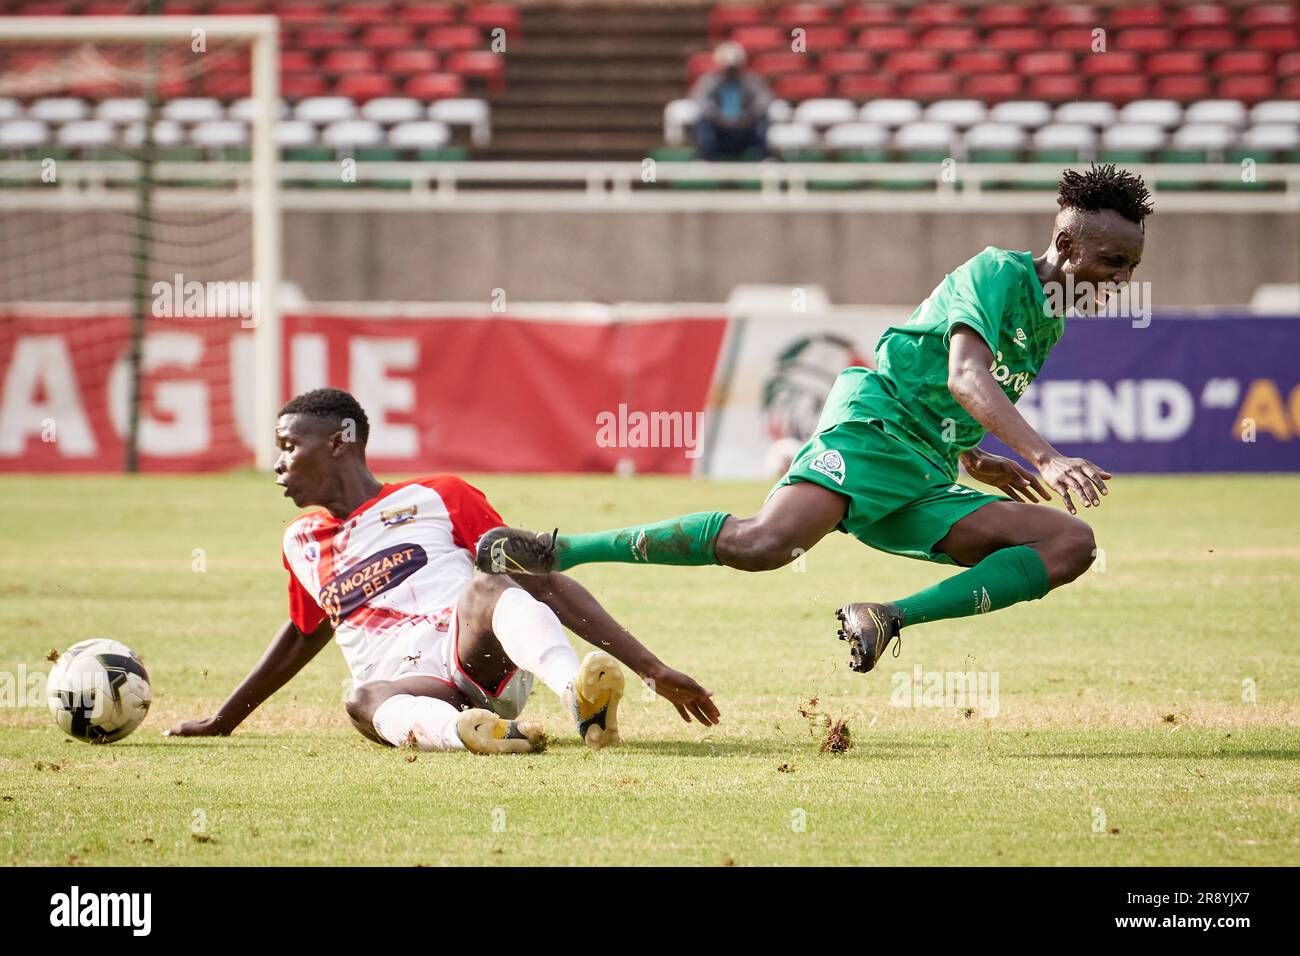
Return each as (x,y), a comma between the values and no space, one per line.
(1004,578)
(687,540)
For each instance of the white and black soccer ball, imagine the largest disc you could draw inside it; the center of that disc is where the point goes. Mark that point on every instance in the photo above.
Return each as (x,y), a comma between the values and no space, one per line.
(98,691)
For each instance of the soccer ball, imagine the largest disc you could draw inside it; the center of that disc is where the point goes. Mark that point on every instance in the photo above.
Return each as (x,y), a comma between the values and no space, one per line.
(98,691)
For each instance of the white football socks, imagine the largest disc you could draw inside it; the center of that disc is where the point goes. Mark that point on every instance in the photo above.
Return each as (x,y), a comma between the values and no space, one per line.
(427,721)
(533,637)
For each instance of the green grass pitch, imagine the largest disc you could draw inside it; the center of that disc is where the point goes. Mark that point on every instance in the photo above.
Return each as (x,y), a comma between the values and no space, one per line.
(1147,714)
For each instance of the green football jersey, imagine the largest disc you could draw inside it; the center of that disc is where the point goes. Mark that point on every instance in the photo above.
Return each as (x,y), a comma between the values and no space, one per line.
(998,295)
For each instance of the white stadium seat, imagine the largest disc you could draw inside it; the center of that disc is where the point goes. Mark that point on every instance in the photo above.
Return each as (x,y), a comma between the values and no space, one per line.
(325,109)
(193,109)
(1272,136)
(10,109)
(86,133)
(388,110)
(220,134)
(1135,136)
(23,134)
(465,112)
(788,136)
(1003,136)
(1276,111)
(165,133)
(242,110)
(958,113)
(864,136)
(1087,113)
(821,113)
(1076,136)
(1223,112)
(779,111)
(925,136)
(1209,137)
(347,134)
(419,134)
(1163,113)
(891,113)
(678,116)
(122,110)
(1030,114)
(293,133)
(60,109)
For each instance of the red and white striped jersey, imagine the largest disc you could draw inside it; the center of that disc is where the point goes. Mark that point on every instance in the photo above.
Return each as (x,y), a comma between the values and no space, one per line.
(388,571)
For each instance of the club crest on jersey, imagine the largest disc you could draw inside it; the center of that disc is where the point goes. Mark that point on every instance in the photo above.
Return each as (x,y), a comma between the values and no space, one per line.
(356,584)
(397,516)
(311,552)
(830,464)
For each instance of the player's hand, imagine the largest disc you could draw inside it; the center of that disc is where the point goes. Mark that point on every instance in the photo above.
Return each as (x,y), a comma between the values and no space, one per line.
(203,727)
(1017,483)
(1075,476)
(690,699)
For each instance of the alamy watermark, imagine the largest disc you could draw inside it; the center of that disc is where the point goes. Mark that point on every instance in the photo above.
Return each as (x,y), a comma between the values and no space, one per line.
(1101,300)
(207,300)
(637,429)
(973,691)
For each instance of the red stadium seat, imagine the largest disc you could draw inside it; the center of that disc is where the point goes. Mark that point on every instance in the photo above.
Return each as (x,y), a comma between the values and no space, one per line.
(1249,89)
(760,39)
(914,61)
(775,63)
(406,62)
(1209,39)
(109,8)
(228,86)
(1136,16)
(434,86)
(979,61)
(937,14)
(358,13)
(1290,89)
(1079,39)
(1202,15)
(480,64)
(883,39)
(490,15)
(1288,65)
(992,87)
(1145,39)
(365,86)
(388,36)
(349,61)
(928,86)
(428,14)
(871,15)
(1185,88)
(1270,15)
(802,86)
(859,86)
(804,14)
(297,86)
(461,37)
(297,61)
(1278,39)
(1055,89)
(819,39)
(233,8)
(1005,15)
(1119,89)
(847,61)
(1236,62)
(950,38)
(1073,15)
(1107,64)
(1018,39)
(1046,62)
(299,13)
(1175,62)
(723,18)
(322,38)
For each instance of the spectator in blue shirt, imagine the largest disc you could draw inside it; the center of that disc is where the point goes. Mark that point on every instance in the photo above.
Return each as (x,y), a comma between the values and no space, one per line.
(733,108)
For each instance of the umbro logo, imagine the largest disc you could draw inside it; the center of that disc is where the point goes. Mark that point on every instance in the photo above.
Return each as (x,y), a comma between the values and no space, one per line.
(1021,339)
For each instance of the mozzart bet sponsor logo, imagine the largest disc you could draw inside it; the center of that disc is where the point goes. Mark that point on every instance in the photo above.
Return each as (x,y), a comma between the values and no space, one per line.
(76,908)
(348,589)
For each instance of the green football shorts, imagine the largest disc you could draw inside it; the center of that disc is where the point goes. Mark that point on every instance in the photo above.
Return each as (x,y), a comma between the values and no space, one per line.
(899,501)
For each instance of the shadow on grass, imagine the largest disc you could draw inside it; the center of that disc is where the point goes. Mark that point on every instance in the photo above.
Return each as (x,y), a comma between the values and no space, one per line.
(1198,754)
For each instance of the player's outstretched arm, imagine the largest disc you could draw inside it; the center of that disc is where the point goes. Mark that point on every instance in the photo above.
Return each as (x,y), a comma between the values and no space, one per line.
(288,653)
(580,612)
(973,385)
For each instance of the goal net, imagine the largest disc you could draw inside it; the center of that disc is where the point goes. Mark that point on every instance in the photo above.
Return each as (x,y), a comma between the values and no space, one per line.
(139,243)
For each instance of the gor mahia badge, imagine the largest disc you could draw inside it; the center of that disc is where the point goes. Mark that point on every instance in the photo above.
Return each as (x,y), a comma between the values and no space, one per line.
(830,464)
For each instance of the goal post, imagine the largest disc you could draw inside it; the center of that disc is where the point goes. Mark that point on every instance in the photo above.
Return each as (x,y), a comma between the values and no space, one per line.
(261,34)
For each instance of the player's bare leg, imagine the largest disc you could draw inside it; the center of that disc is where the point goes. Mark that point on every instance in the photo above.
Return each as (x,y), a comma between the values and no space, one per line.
(792,520)
(1015,552)
(502,627)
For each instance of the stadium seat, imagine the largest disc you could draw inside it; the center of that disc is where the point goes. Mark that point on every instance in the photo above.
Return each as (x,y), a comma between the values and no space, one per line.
(1145,39)
(388,36)
(1075,39)
(1017,40)
(757,39)
(1272,136)
(1069,15)
(1201,15)
(190,110)
(359,12)
(1175,63)
(890,112)
(1028,114)
(428,14)
(1045,62)
(779,111)
(936,14)
(956,113)
(979,61)
(491,15)
(471,113)
(950,39)
(1138,15)
(388,110)
(1224,112)
(1132,142)
(1275,112)
(295,134)
(60,109)
(913,61)
(1005,15)
(1120,89)
(1280,39)
(929,86)
(83,134)
(339,62)
(434,86)
(121,110)
(847,61)
(321,38)
(455,37)
(1209,39)
(864,137)
(480,64)
(23,134)
(860,86)
(802,14)
(11,109)
(325,109)
(245,109)
(802,86)
(1073,140)
(1250,89)
(925,140)
(871,15)
(406,62)
(1203,137)
(298,86)
(1055,89)
(777,62)
(821,113)
(679,116)
(1097,114)
(1184,89)
(1242,62)
(790,137)
(886,39)
(818,39)
(1111,63)
(349,134)
(992,87)
(419,135)
(165,133)
(994,142)
(1163,113)
(723,18)
(220,134)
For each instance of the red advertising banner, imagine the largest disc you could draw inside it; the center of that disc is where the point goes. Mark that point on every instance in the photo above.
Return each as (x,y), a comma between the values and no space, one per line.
(499,393)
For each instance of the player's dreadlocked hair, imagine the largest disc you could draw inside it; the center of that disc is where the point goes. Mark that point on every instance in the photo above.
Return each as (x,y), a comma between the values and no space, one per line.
(1106,187)
(332,404)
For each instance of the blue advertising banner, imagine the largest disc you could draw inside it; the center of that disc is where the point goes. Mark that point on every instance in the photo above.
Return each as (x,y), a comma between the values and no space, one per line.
(1181,394)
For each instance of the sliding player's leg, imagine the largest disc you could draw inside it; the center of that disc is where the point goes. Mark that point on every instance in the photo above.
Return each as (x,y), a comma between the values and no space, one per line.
(1014,552)
(503,636)
(793,519)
